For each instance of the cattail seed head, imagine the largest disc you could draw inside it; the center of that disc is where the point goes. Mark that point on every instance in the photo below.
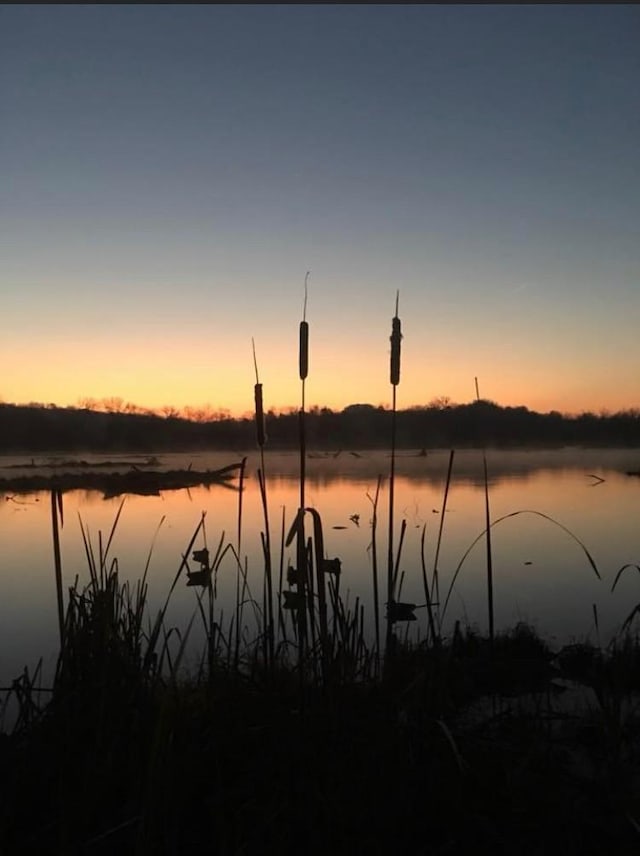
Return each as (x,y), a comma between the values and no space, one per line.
(257,394)
(304,350)
(396,336)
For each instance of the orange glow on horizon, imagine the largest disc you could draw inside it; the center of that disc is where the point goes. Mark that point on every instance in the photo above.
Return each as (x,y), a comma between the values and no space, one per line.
(218,374)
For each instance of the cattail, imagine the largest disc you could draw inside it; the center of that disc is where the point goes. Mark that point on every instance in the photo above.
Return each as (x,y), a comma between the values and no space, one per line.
(304,350)
(257,394)
(257,397)
(304,336)
(396,336)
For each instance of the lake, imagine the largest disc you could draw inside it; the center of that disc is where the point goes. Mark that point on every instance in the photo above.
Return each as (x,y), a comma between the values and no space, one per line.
(541,574)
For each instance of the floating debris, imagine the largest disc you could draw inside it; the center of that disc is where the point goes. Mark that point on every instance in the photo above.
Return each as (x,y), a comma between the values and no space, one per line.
(72,463)
(134,481)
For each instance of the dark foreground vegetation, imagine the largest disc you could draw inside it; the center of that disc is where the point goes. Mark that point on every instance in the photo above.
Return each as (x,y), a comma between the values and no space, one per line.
(33,429)
(461,746)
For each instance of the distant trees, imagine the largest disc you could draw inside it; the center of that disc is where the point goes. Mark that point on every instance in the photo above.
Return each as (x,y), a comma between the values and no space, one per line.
(116,404)
(112,424)
(440,402)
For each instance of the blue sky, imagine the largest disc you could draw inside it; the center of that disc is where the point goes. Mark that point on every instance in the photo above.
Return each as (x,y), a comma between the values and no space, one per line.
(171,172)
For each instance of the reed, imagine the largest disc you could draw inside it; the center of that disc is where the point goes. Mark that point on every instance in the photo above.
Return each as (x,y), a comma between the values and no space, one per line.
(57,521)
(158,627)
(487,517)
(496,522)
(636,609)
(240,588)
(435,586)
(269,630)
(281,623)
(374,568)
(394,377)
(431,629)
(301,544)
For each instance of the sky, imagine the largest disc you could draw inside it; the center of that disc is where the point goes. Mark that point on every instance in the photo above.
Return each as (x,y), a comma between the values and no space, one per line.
(170,173)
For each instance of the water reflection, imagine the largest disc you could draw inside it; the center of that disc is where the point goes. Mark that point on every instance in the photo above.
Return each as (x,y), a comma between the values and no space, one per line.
(541,575)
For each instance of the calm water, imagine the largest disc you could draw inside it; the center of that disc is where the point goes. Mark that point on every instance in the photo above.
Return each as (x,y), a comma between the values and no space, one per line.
(541,574)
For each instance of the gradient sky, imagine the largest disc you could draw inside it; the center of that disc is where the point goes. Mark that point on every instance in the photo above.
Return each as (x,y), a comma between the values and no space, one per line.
(169,173)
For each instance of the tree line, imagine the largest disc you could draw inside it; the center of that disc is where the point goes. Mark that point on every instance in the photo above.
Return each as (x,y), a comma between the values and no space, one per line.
(40,428)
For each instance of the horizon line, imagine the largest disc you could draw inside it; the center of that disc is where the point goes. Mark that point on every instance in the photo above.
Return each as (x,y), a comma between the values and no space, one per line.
(115,405)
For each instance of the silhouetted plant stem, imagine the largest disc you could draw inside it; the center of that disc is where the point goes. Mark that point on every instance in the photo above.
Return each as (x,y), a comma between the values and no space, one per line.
(212,631)
(435,638)
(56,509)
(239,593)
(266,539)
(374,567)
(396,567)
(281,624)
(301,546)
(322,596)
(435,590)
(396,337)
(487,516)
(301,549)
(504,517)
(267,560)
